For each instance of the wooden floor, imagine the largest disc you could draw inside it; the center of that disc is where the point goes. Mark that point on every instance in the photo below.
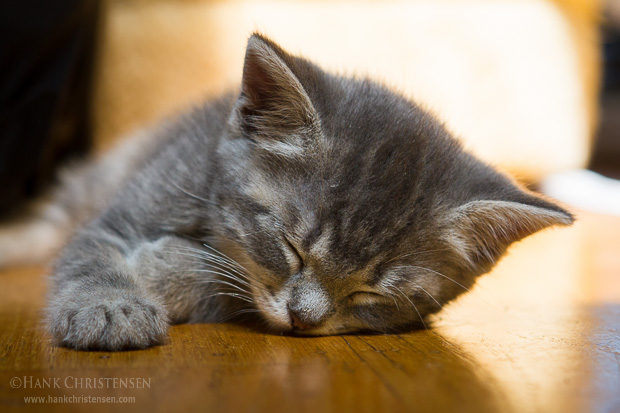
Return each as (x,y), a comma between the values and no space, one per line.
(539,334)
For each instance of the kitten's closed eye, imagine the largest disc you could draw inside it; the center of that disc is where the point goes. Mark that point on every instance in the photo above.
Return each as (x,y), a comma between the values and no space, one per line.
(294,259)
(293,253)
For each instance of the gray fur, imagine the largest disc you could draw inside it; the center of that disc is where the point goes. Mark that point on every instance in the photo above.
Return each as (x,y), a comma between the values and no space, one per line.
(321,204)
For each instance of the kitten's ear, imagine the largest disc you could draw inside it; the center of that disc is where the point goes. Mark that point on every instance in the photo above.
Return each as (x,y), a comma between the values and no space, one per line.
(273,108)
(481,231)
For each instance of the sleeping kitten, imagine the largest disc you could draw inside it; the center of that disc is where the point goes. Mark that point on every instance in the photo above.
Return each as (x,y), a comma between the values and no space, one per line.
(321,204)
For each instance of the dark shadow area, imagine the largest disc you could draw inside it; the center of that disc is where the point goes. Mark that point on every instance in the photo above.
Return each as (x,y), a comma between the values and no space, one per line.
(606,152)
(47,58)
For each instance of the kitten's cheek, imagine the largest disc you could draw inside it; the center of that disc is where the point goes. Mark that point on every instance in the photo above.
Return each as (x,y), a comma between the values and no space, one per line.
(274,311)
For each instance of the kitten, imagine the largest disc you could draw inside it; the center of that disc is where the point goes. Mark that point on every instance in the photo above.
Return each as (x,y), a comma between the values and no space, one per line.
(318,203)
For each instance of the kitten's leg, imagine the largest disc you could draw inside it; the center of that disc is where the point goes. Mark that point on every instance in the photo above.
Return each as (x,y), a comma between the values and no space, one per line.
(83,190)
(126,297)
(116,286)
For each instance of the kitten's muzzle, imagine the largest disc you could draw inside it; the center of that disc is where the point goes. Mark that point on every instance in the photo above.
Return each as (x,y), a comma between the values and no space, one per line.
(297,323)
(309,304)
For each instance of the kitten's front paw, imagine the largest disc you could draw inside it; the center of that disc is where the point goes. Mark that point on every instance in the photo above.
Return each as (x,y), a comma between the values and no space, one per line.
(106,319)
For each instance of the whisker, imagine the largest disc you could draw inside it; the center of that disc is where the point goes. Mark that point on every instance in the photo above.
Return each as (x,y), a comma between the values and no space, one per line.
(237,267)
(224,273)
(415,254)
(219,266)
(233,262)
(198,282)
(238,313)
(207,255)
(226,287)
(460,285)
(414,307)
(190,194)
(227,263)
(430,295)
(221,272)
(231,291)
(225,266)
(442,275)
(393,297)
(234,295)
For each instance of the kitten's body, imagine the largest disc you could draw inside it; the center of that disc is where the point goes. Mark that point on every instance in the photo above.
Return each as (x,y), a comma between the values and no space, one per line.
(330,205)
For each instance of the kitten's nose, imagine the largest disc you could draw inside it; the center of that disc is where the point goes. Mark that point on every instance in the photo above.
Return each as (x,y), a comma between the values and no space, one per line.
(297,322)
(308,306)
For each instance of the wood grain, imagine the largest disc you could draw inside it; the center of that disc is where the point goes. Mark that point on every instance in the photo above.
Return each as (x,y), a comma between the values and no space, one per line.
(539,334)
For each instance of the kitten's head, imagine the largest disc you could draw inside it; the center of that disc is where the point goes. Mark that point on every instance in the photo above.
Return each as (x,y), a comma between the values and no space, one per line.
(352,208)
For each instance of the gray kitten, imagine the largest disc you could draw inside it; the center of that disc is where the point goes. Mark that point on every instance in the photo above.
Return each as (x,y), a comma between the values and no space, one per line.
(323,204)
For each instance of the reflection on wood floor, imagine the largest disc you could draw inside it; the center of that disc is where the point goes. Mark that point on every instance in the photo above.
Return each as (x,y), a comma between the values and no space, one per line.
(540,333)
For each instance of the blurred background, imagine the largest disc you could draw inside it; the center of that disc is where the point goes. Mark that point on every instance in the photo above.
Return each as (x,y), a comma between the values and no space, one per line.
(531,86)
